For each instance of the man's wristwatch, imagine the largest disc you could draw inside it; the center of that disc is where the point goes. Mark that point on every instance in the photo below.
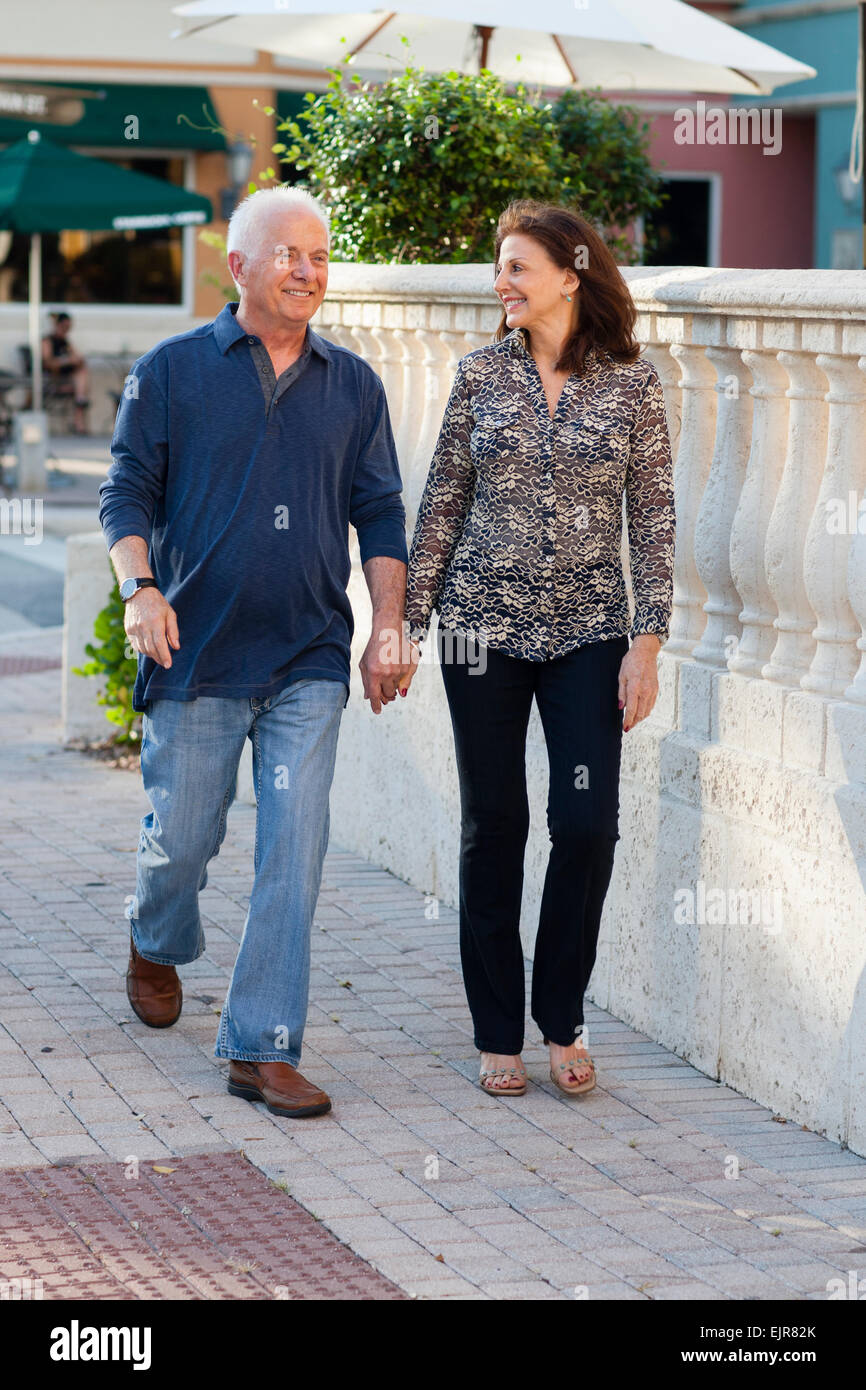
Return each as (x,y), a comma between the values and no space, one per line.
(129,587)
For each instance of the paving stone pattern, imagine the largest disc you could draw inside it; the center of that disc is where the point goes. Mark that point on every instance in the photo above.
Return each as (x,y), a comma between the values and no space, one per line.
(208,1227)
(623,1193)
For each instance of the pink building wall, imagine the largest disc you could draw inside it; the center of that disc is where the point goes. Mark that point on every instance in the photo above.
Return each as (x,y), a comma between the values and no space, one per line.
(766,212)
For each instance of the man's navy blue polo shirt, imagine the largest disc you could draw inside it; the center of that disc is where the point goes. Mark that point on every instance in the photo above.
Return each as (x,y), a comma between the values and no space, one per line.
(246,505)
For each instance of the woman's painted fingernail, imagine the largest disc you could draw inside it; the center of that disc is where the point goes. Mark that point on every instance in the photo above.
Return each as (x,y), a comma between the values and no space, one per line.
(620,704)
(625,728)
(404,692)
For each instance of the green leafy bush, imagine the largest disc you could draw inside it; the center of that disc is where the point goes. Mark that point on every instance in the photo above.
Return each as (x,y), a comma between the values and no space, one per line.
(113,661)
(608,144)
(420,167)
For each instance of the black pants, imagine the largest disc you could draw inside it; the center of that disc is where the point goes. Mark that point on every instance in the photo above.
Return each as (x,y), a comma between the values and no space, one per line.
(577,701)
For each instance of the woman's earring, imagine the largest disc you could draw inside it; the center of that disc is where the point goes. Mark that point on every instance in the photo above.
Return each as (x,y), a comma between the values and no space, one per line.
(568,297)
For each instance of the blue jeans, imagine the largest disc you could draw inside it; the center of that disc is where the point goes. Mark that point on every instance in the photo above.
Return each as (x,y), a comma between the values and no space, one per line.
(189,761)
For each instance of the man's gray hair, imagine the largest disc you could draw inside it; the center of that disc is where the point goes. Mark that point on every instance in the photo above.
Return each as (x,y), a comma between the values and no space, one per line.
(259,207)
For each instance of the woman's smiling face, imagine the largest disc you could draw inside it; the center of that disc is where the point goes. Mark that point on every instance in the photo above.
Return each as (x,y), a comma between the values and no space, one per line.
(529,283)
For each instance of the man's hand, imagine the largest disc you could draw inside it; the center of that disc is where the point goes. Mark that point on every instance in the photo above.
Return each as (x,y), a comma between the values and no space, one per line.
(386,658)
(385,663)
(151,625)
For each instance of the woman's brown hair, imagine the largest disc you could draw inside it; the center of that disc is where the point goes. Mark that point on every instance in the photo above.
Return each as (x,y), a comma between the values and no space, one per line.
(603,312)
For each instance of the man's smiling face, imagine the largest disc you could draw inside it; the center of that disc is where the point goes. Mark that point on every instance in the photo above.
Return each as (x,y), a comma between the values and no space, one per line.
(285,275)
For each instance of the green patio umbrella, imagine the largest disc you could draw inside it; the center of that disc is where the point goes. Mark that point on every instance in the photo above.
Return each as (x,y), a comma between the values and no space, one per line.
(49,188)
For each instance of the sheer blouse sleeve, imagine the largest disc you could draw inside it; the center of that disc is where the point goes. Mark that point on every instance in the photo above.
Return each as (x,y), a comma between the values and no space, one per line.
(444,508)
(650,513)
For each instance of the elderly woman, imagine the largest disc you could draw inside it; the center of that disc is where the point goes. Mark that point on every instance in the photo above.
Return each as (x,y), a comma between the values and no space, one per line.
(517,545)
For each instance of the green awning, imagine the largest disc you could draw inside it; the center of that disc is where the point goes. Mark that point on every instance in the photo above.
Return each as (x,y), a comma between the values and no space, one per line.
(288,105)
(45,187)
(110,115)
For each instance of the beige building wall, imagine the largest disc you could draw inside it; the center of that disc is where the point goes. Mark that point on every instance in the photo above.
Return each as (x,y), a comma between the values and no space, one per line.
(240,111)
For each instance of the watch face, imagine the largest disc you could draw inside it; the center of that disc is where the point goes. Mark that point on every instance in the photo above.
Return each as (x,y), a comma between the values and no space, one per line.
(128,588)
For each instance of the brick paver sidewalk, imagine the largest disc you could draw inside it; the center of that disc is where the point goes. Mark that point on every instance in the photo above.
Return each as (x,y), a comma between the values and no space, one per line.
(205,1227)
(447,1192)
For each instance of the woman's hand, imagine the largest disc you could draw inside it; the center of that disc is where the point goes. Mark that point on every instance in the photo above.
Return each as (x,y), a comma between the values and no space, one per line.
(414,657)
(638,679)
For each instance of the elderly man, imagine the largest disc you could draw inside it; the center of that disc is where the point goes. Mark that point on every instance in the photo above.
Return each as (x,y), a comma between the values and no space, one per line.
(242,451)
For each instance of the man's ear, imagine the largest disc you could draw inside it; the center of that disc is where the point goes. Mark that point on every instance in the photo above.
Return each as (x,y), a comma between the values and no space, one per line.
(236,264)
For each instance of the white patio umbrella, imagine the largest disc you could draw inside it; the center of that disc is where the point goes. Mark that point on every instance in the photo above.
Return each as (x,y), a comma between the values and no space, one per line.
(619,45)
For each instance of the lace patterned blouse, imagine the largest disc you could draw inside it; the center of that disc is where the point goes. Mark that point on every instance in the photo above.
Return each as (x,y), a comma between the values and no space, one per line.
(517,541)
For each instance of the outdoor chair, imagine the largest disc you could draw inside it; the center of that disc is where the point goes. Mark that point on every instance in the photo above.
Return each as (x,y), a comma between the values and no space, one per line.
(58,393)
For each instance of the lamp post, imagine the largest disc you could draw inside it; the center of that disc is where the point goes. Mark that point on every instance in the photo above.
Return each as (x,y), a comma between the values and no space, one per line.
(846,187)
(240,162)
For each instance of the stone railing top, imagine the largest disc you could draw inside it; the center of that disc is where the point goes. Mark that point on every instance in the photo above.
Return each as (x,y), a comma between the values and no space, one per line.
(469,283)
(836,294)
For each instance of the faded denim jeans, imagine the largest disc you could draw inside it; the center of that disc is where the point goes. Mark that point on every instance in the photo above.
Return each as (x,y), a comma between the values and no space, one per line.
(189,762)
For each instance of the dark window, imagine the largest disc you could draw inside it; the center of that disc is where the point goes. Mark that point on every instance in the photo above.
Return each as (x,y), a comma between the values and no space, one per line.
(143,267)
(678,233)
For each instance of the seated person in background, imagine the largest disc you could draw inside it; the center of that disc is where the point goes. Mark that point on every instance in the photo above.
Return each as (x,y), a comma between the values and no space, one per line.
(67,368)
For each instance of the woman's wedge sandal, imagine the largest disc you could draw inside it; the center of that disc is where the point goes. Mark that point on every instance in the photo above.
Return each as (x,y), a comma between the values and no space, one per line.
(579,1087)
(503,1090)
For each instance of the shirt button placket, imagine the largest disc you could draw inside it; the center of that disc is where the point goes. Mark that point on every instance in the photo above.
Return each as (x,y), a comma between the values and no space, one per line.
(549,546)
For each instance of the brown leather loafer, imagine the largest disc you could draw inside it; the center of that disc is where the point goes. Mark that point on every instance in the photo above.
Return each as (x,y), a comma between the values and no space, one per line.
(154,991)
(281,1087)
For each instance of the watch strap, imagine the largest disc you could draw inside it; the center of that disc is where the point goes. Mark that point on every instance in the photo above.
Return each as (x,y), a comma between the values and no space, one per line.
(147,583)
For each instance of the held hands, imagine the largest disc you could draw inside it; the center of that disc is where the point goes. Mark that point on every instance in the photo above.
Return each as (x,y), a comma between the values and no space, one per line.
(414,657)
(388,666)
(151,626)
(388,663)
(638,679)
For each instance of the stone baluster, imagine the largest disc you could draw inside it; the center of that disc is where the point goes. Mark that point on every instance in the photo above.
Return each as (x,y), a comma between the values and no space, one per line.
(353,333)
(828,541)
(718,507)
(443,359)
(789,522)
(389,360)
(757,499)
(406,369)
(378,347)
(470,341)
(691,468)
(340,334)
(366,346)
(669,374)
(856,691)
(436,387)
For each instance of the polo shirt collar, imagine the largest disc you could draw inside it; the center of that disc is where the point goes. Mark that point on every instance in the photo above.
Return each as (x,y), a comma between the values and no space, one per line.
(227,331)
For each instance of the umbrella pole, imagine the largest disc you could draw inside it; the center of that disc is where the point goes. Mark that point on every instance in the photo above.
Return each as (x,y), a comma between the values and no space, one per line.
(485,33)
(862,94)
(33,319)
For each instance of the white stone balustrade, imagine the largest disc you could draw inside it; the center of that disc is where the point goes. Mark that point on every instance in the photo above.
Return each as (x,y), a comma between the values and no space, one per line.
(750,776)
(751,378)
(748,781)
